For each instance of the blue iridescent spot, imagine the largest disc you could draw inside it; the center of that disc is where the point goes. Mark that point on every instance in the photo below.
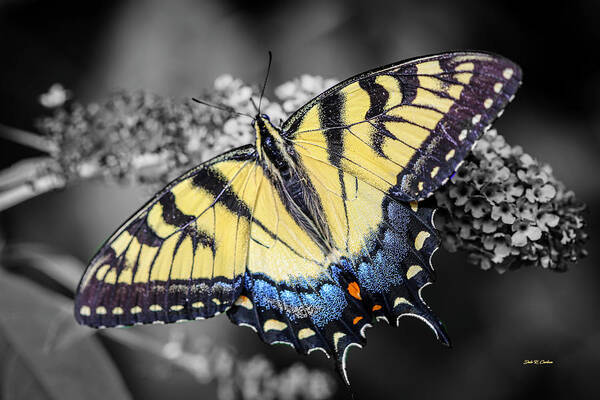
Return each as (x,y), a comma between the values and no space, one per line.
(383,269)
(331,303)
(264,293)
(379,276)
(323,306)
(395,247)
(292,303)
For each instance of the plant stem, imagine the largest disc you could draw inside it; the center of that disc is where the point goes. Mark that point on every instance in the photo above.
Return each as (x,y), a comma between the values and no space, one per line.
(25,191)
(28,139)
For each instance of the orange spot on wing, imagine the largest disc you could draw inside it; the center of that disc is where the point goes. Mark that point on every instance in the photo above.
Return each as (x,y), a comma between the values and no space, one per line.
(376,307)
(356,319)
(354,290)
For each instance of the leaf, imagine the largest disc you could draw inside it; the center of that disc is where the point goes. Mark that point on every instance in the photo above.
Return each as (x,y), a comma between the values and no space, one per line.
(37,361)
(43,261)
(17,381)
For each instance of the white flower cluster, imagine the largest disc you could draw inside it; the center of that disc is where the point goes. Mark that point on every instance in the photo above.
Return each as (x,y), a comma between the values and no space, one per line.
(507,210)
(296,93)
(230,129)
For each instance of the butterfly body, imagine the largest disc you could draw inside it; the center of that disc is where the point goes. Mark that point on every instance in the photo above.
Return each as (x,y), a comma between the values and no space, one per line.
(319,229)
(279,163)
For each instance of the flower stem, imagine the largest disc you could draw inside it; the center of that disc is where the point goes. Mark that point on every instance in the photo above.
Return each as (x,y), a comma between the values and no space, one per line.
(28,139)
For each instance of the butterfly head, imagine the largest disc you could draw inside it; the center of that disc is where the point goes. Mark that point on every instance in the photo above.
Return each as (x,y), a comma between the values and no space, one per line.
(269,141)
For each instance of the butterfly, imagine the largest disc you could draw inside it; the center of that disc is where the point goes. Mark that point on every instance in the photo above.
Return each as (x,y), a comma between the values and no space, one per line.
(320,228)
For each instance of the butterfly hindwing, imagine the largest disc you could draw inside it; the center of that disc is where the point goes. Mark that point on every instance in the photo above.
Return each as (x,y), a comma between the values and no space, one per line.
(330,311)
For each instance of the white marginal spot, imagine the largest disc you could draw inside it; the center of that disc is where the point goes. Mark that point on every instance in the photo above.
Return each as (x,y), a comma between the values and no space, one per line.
(432,219)
(463,135)
(421,318)
(158,322)
(500,113)
(273,324)
(362,330)
(412,271)
(488,103)
(476,119)
(431,257)
(419,292)
(420,239)
(498,87)
(319,348)
(101,310)
(199,318)
(305,333)
(155,307)
(179,321)
(508,73)
(283,342)
(344,360)
(382,318)
(135,310)
(459,165)
(85,311)
(244,324)
(511,98)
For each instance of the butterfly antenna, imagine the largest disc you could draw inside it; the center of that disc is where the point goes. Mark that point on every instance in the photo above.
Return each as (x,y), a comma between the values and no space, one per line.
(255,106)
(221,107)
(262,92)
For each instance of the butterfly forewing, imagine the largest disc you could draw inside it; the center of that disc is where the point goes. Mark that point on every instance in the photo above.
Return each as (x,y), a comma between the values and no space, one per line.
(182,256)
(405,128)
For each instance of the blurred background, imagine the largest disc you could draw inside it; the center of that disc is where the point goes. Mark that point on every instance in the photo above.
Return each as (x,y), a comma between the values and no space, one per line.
(176,50)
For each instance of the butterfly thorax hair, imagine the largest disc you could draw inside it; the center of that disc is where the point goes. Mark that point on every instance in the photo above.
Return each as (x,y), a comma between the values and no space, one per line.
(281,165)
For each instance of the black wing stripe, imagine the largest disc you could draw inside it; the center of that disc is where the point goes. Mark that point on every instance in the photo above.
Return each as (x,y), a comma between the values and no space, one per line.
(381,131)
